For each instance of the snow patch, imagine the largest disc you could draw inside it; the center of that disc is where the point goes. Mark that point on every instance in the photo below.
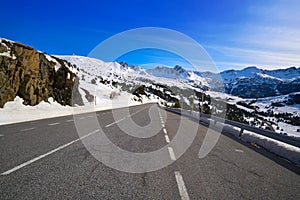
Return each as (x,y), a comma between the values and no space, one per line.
(287,151)
(51,59)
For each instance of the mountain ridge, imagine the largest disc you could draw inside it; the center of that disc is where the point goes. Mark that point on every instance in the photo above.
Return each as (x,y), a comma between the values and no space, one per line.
(104,83)
(250,82)
(244,83)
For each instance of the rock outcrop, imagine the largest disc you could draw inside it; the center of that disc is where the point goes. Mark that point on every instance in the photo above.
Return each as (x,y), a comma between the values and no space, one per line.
(35,76)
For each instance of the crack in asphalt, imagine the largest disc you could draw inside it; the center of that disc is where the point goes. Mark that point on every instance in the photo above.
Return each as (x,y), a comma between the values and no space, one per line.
(237,166)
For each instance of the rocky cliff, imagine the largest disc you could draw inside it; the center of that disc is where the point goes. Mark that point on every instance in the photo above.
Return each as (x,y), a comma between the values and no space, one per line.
(35,76)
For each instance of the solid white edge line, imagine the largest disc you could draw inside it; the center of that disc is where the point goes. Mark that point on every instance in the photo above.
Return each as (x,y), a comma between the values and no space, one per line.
(181,186)
(171,152)
(124,118)
(138,111)
(46,154)
(56,123)
(115,122)
(167,138)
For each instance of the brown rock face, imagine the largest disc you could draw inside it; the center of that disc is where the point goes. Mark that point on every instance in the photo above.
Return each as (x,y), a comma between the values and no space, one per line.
(29,74)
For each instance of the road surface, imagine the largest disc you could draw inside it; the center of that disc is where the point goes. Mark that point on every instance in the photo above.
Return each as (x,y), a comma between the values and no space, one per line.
(46,159)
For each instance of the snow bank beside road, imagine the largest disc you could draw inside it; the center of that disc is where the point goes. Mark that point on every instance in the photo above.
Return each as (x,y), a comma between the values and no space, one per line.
(287,151)
(282,149)
(15,111)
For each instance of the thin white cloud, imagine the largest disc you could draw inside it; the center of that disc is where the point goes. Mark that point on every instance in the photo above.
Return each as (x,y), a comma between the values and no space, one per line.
(270,39)
(242,56)
(277,12)
(241,65)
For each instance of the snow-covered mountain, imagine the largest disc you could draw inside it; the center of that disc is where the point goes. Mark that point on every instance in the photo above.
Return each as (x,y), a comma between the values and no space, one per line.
(279,87)
(176,73)
(280,75)
(253,82)
(116,83)
(250,82)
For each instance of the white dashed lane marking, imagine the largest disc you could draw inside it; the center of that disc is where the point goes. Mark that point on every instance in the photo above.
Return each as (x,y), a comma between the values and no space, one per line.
(53,124)
(171,152)
(239,150)
(70,120)
(167,138)
(165,130)
(181,186)
(28,129)
(172,155)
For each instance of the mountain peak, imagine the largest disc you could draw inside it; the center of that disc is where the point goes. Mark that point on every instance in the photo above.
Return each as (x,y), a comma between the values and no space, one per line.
(178,68)
(124,64)
(251,68)
(176,73)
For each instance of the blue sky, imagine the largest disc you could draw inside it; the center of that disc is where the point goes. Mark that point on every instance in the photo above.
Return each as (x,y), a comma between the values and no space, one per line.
(235,33)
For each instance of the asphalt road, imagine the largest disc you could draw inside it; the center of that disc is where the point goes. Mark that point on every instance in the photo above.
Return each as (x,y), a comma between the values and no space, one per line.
(47,159)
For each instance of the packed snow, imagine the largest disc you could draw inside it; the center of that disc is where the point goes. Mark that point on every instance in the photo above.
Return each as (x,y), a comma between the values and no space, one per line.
(287,151)
(15,111)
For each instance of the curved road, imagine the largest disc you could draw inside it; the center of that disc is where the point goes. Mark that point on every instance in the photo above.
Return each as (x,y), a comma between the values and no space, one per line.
(46,159)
